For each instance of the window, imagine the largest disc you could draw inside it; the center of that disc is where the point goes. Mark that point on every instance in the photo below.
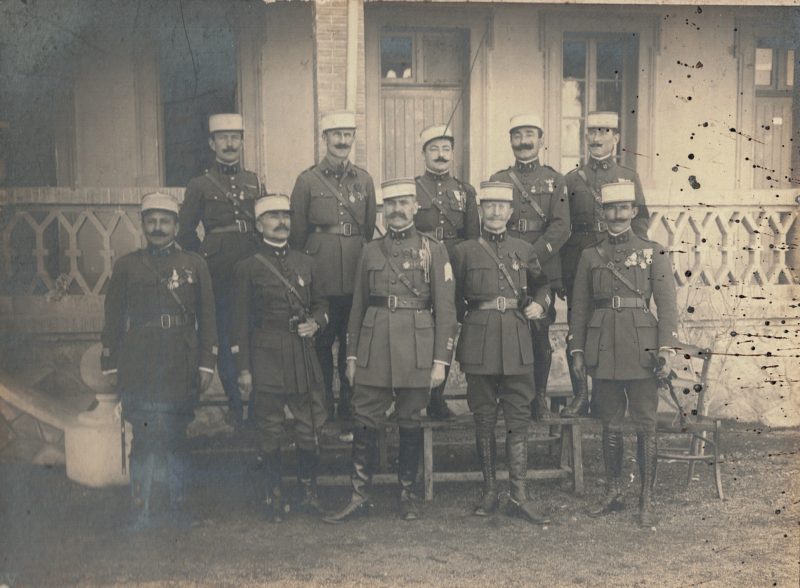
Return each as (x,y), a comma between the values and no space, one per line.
(397,57)
(598,73)
(423,57)
(774,68)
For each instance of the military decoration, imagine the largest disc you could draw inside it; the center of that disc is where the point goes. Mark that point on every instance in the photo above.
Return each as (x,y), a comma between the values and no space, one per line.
(174,281)
(550,182)
(639,258)
(425,260)
(300,281)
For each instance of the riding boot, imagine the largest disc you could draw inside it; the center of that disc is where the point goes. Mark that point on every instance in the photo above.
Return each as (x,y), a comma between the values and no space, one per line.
(407,466)
(486,444)
(646,452)
(365,448)
(613,499)
(579,405)
(437,406)
(541,373)
(177,470)
(344,411)
(142,470)
(519,504)
(307,462)
(274,505)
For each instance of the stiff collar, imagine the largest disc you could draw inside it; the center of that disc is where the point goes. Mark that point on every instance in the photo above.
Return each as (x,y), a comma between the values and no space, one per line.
(277,249)
(402,233)
(437,177)
(161,251)
(527,166)
(228,169)
(495,237)
(330,167)
(623,237)
(605,163)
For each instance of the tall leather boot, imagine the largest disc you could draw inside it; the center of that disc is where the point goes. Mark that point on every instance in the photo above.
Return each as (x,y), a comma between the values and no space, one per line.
(365,449)
(307,461)
(519,504)
(646,452)
(275,508)
(437,406)
(142,471)
(613,451)
(343,411)
(407,466)
(177,472)
(579,405)
(486,444)
(541,373)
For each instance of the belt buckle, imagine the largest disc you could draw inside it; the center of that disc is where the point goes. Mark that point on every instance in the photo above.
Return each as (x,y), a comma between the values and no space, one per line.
(347,229)
(616,303)
(391,302)
(168,323)
(501,303)
(241,225)
(439,233)
(522,225)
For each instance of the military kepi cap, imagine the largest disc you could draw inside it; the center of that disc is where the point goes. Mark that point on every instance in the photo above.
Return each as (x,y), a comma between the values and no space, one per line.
(495,192)
(398,188)
(338,119)
(618,192)
(525,120)
(436,132)
(159,201)
(602,120)
(272,203)
(225,122)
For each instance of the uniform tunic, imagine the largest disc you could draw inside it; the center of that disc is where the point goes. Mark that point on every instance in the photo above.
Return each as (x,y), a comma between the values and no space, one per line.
(316,208)
(447,209)
(619,344)
(585,209)
(397,348)
(494,342)
(157,362)
(547,188)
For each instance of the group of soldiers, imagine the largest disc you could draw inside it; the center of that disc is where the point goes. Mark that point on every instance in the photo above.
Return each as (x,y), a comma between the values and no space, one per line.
(276,280)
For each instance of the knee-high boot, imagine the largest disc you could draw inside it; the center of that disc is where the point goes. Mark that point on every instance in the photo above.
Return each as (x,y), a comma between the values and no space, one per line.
(407,466)
(613,451)
(365,447)
(646,452)
(519,503)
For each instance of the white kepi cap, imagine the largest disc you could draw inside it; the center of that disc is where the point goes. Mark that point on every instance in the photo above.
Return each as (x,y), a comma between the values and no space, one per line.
(525,120)
(618,192)
(338,119)
(399,187)
(436,132)
(159,201)
(602,120)
(225,122)
(272,203)
(496,191)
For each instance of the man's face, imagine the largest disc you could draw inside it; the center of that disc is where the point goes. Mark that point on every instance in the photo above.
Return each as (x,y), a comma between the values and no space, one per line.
(438,155)
(495,214)
(619,215)
(526,142)
(160,227)
(276,225)
(227,145)
(339,142)
(399,212)
(602,142)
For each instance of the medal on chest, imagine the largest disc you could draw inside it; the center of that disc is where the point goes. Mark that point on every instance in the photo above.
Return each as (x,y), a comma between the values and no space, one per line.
(550,182)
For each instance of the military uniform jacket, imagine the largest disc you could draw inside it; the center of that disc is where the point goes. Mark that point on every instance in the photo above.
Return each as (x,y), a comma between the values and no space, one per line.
(583,189)
(155,360)
(447,209)
(261,341)
(619,343)
(541,212)
(223,196)
(397,348)
(494,342)
(317,209)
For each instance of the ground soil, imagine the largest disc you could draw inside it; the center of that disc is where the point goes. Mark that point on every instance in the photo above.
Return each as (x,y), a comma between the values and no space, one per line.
(56,533)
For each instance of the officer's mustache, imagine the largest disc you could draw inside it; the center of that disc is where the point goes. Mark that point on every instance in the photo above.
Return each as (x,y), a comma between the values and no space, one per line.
(156,233)
(229,150)
(595,144)
(342,146)
(523,146)
(441,160)
(282,228)
(397,215)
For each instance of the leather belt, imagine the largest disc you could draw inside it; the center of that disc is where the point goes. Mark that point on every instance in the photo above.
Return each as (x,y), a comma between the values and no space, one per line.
(395,302)
(163,321)
(277,323)
(620,302)
(343,229)
(240,226)
(500,303)
(524,226)
(597,227)
(441,233)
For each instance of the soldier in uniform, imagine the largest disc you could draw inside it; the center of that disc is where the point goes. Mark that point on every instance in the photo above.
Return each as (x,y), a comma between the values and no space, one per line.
(541,217)
(588,222)
(400,338)
(500,286)
(447,210)
(277,312)
(615,337)
(333,205)
(159,343)
(222,200)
